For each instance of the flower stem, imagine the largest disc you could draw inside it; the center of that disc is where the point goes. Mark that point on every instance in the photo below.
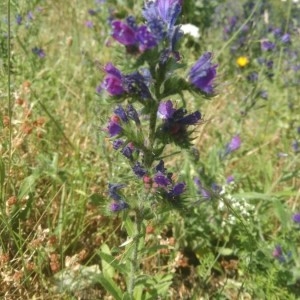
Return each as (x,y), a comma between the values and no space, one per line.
(135,257)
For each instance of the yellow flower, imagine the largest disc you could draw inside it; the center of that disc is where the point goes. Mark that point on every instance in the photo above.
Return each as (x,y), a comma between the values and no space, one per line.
(242,61)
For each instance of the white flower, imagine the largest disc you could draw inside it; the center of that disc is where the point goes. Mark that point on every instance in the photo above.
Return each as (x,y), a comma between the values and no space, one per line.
(190,29)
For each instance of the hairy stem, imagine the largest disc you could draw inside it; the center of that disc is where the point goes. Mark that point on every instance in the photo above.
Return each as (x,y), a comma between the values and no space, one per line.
(135,256)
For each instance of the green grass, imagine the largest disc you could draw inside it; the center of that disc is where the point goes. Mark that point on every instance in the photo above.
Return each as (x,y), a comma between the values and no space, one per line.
(57,238)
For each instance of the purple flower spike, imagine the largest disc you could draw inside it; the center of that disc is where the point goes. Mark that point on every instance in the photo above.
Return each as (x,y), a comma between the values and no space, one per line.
(117,206)
(203,73)
(296,218)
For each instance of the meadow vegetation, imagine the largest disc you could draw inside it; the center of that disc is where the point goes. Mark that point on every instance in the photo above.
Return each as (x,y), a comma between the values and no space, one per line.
(236,231)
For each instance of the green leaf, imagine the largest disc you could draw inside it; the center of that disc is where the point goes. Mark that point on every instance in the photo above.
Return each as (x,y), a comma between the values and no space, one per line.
(129,225)
(27,186)
(107,261)
(110,286)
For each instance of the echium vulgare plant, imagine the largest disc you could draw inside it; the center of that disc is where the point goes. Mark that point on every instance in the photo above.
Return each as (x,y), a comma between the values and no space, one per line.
(145,119)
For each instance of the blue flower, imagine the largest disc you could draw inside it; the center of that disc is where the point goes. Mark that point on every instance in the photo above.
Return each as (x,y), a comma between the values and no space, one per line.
(203,73)
(162,11)
(161,16)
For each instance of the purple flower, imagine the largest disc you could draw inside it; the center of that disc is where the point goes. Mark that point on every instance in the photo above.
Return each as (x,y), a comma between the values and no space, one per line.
(139,170)
(296,218)
(253,76)
(145,39)
(136,83)
(128,150)
(117,144)
(123,33)
(112,191)
(176,116)
(266,45)
(117,206)
(133,114)
(161,179)
(286,38)
(277,252)
(230,179)
(92,12)
(201,190)
(39,52)
(277,32)
(114,128)
(89,24)
(19,19)
(131,35)
(177,190)
(166,110)
(233,145)
(121,113)
(160,167)
(175,123)
(161,16)
(203,73)
(112,82)
(30,16)
(166,11)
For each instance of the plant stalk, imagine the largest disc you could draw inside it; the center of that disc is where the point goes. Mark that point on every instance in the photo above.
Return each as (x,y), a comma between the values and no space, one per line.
(135,257)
